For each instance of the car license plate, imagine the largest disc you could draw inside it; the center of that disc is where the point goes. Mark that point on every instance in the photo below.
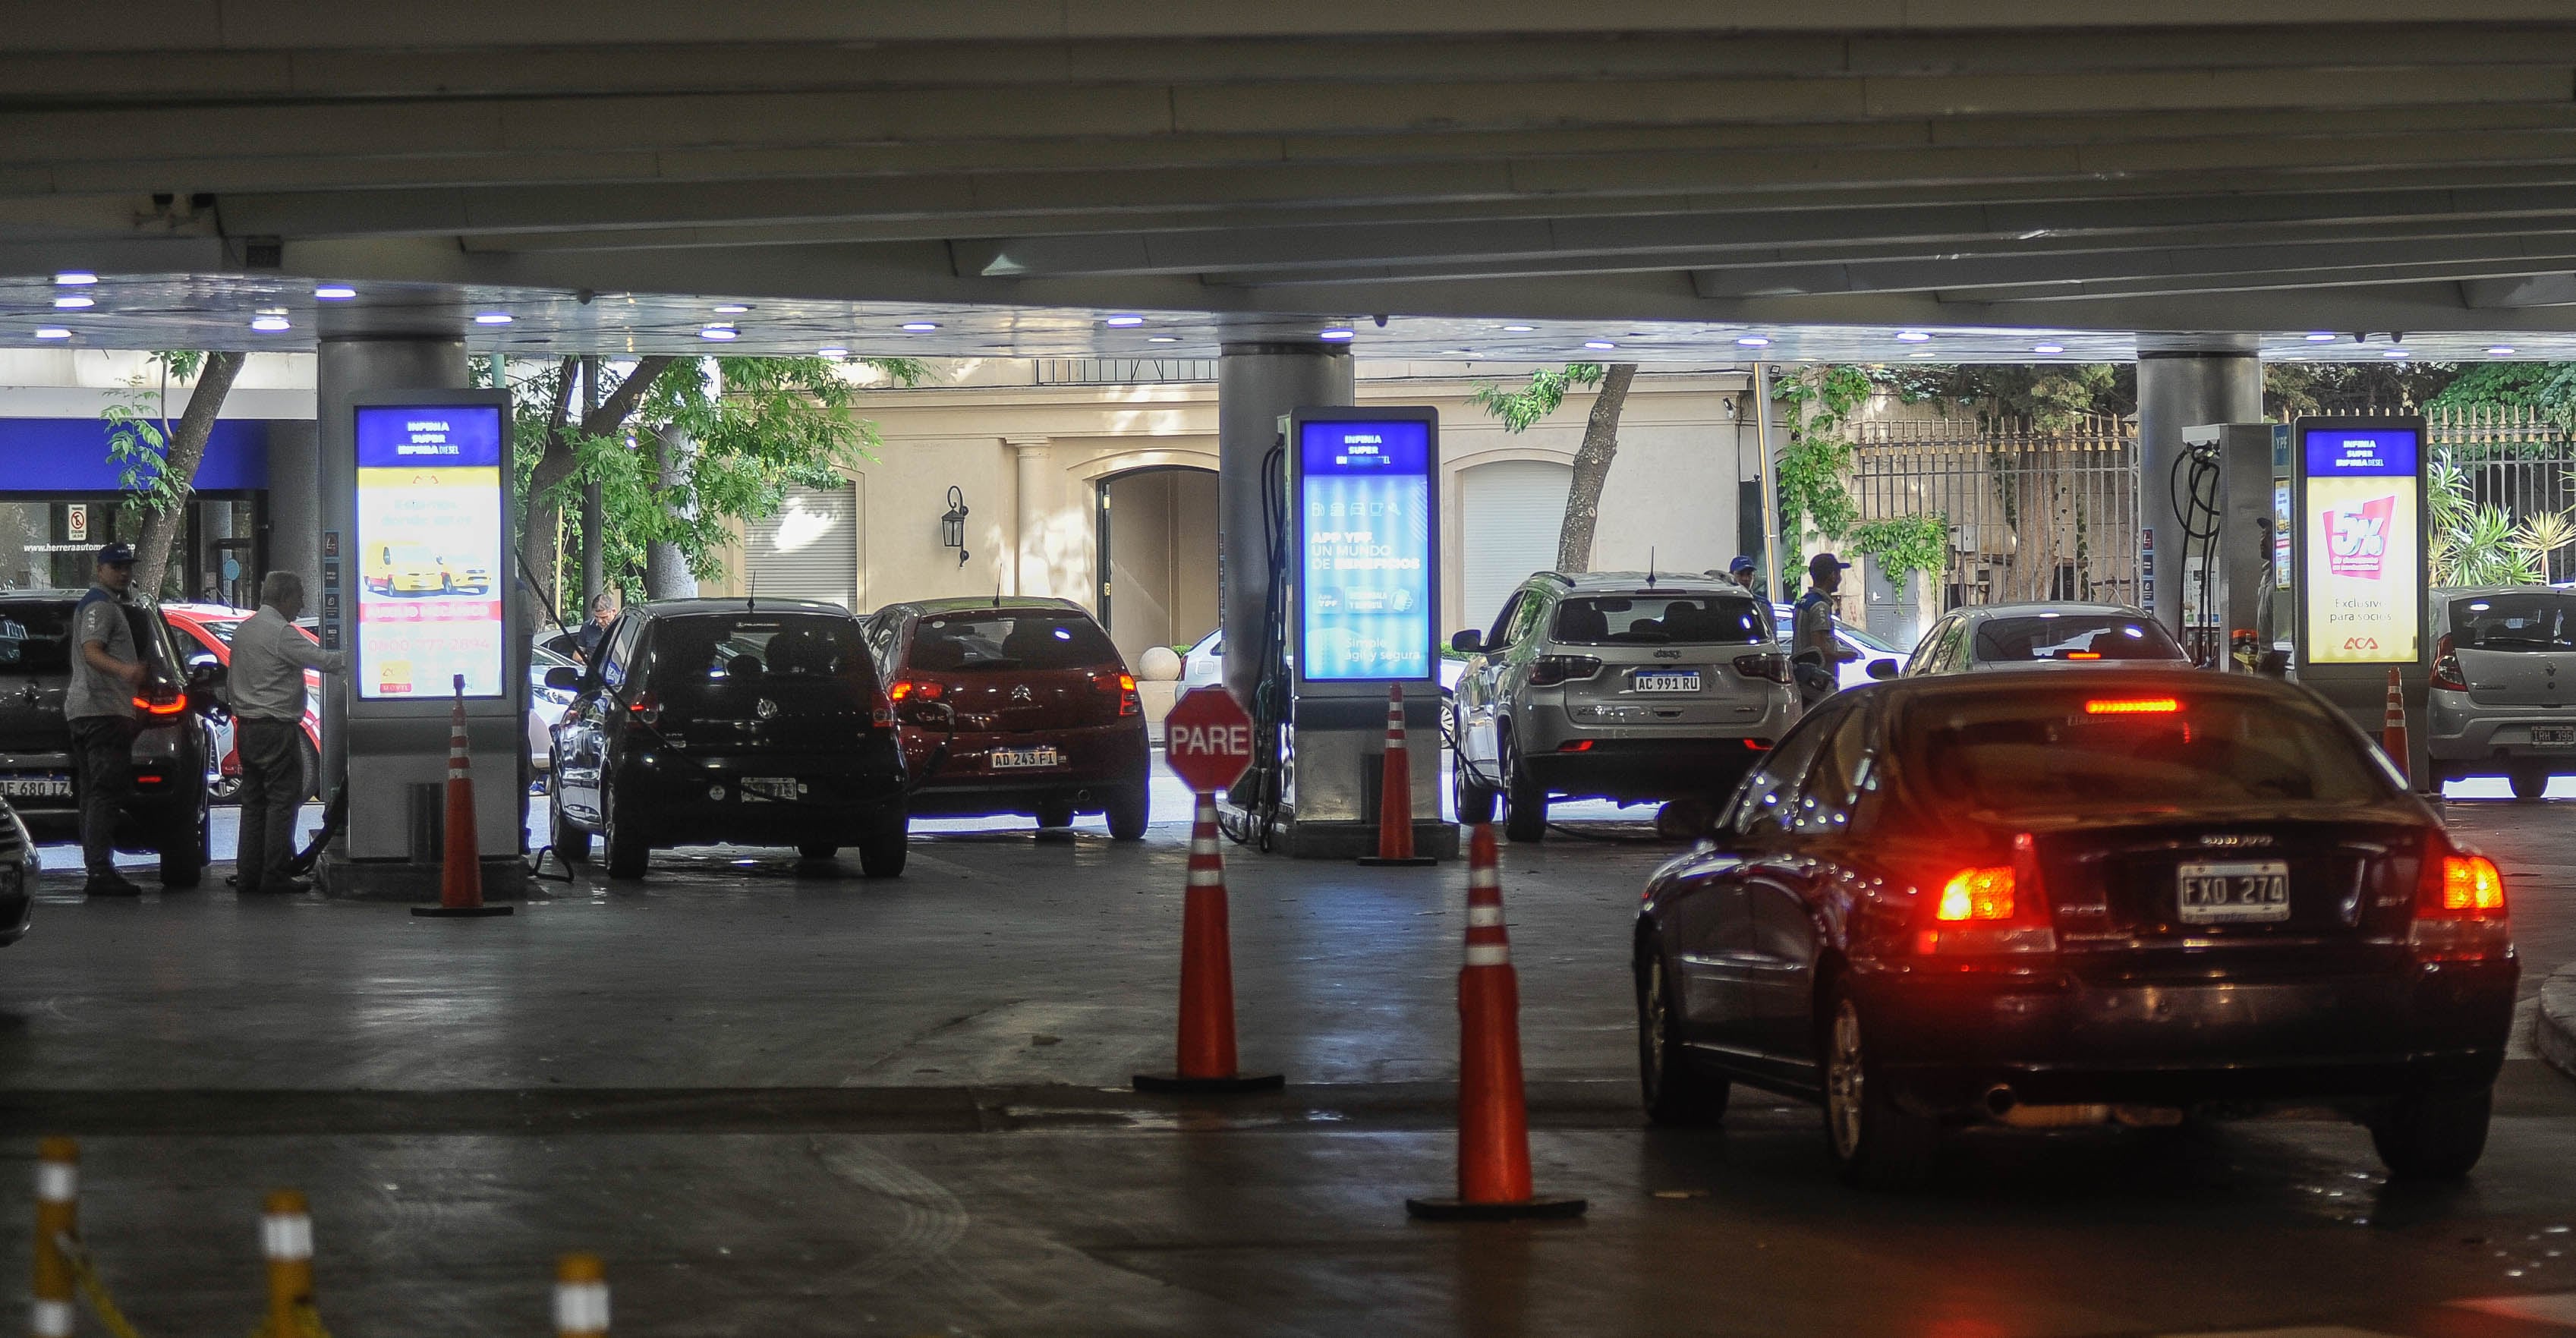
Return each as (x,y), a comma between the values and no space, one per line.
(2554,736)
(35,787)
(1670,680)
(2244,892)
(1015,759)
(779,789)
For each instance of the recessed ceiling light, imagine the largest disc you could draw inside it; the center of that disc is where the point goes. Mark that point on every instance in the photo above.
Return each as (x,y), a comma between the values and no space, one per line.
(1124,321)
(74,278)
(491,318)
(1925,354)
(831,353)
(53,332)
(1336,334)
(2320,337)
(719,332)
(2499,350)
(1912,336)
(732,309)
(268,324)
(74,303)
(334,292)
(2395,353)
(1754,341)
(1598,343)
(2048,348)
(1162,339)
(919,326)
(1519,329)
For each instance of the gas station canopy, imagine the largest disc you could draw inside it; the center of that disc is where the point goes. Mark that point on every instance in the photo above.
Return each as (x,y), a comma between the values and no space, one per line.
(1087,178)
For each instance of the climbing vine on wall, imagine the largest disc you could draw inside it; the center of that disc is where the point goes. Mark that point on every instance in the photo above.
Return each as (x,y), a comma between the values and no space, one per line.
(1820,402)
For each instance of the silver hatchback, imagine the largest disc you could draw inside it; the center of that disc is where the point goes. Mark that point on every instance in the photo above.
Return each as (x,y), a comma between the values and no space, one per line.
(1615,685)
(2503,697)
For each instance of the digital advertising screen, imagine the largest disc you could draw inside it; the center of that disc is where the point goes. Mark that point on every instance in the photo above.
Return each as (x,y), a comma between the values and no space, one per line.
(2362,559)
(429,535)
(1365,550)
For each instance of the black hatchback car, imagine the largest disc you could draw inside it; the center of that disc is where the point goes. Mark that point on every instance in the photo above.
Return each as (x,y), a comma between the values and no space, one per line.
(708,721)
(166,812)
(2126,896)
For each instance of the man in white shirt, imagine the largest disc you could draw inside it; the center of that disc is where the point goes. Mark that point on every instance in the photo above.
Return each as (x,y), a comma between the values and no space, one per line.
(266,685)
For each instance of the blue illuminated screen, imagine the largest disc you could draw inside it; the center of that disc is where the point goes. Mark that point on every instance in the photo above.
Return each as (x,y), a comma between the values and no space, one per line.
(1365,551)
(2376,452)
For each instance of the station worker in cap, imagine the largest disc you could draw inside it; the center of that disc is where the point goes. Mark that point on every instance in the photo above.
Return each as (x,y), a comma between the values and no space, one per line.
(107,672)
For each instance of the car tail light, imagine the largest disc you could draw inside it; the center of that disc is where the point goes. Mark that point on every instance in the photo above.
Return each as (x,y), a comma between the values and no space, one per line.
(1124,684)
(2460,912)
(647,707)
(1773,666)
(1549,670)
(1990,909)
(1575,746)
(2446,666)
(2081,655)
(161,699)
(2132,706)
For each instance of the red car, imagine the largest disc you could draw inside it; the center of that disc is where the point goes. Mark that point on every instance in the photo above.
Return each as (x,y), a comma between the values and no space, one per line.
(1013,706)
(207,630)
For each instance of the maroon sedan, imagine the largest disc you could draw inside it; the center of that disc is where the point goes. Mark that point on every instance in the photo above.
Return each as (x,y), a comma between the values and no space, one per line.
(1014,706)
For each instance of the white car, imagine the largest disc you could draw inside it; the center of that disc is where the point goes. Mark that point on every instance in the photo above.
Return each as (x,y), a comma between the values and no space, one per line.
(545,705)
(1860,649)
(1203,665)
(1986,637)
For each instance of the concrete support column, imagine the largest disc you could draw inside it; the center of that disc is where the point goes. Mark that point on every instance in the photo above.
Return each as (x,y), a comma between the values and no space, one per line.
(295,503)
(2184,380)
(1031,458)
(1257,384)
(666,568)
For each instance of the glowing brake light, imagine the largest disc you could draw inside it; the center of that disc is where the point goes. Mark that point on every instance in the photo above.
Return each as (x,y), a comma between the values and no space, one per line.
(162,700)
(1991,910)
(2460,912)
(2082,655)
(2132,706)
(1977,894)
(905,689)
(2472,884)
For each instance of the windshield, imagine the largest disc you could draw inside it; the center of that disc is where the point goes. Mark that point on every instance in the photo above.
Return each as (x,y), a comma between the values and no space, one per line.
(722,649)
(972,643)
(1659,620)
(2030,751)
(2533,621)
(2074,636)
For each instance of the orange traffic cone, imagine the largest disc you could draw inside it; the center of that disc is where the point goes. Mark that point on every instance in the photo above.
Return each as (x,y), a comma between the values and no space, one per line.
(1207,1062)
(581,1297)
(2392,729)
(1395,793)
(460,874)
(1493,1117)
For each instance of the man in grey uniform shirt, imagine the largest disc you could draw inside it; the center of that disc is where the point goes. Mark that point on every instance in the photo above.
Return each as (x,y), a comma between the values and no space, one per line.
(267,689)
(107,670)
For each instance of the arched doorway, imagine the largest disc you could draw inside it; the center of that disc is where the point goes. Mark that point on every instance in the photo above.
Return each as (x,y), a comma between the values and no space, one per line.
(1157,557)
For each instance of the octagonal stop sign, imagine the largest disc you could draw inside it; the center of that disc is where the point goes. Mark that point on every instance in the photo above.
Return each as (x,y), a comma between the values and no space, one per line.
(1208,739)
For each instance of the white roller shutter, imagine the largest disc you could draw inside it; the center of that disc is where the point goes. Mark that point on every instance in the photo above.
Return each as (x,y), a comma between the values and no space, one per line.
(809,550)
(1510,512)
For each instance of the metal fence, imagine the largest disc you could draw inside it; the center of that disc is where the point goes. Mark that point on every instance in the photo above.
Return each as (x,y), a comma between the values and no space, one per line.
(1124,371)
(2032,514)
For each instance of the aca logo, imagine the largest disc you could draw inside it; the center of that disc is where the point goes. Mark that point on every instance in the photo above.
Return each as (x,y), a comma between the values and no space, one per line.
(2361,643)
(2357,537)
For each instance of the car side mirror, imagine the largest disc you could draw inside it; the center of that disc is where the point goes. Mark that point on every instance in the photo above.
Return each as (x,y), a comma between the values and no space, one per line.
(1468,642)
(205,671)
(1847,655)
(563,678)
(1883,670)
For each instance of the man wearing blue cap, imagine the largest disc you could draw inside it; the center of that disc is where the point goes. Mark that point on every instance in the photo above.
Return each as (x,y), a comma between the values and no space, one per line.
(1741,570)
(107,670)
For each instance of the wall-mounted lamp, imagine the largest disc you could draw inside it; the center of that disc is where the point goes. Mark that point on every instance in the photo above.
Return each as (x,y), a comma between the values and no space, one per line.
(952,524)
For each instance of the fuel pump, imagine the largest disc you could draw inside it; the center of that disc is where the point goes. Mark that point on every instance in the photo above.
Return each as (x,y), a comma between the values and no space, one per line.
(2226,517)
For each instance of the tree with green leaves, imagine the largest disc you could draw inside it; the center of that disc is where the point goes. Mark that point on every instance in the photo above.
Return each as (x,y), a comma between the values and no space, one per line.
(156,461)
(1518,409)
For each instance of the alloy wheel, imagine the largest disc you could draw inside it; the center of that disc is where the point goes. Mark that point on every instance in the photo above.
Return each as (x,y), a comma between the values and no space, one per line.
(1844,1082)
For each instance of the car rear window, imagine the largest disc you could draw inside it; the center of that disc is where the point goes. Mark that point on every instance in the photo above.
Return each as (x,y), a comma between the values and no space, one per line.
(1659,620)
(36,638)
(968,643)
(2074,636)
(2029,751)
(2533,621)
(731,648)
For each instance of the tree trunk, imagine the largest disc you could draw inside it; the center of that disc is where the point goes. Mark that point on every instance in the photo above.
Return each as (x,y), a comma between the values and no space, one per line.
(1592,469)
(666,565)
(187,450)
(541,543)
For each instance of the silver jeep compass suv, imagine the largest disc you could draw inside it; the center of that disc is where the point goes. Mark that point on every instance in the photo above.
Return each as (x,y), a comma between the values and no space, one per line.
(1615,685)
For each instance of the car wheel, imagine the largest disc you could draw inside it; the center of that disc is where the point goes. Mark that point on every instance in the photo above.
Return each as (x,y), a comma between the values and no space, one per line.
(312,763)
(571,843)
(1876,1145)
(1676,1090)
(1131,806)
(1059,814)
(183,849)
(1472,801)
(2435,1135)
(816,850)
(882,854)
(2528,782)
(1524,799)
(628,849)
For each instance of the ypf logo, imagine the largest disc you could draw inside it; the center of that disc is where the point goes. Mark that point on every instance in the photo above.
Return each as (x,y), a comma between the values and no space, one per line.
(2357,537)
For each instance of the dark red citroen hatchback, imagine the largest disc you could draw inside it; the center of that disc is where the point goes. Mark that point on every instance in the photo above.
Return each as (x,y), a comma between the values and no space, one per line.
(1014,706)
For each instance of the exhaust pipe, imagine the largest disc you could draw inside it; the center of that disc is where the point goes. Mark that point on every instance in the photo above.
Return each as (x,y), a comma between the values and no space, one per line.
(2004,1107)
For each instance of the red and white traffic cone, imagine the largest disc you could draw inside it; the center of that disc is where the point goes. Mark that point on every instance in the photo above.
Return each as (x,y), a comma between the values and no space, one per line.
(1207,1062)
(460,874)
(57,1220)
(2392,729)
(1395,793)
(1493,1113)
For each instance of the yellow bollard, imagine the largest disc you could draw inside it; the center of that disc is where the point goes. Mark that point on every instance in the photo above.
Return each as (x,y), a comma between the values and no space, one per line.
(581,1297)
(57,1214)
(286,1237)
